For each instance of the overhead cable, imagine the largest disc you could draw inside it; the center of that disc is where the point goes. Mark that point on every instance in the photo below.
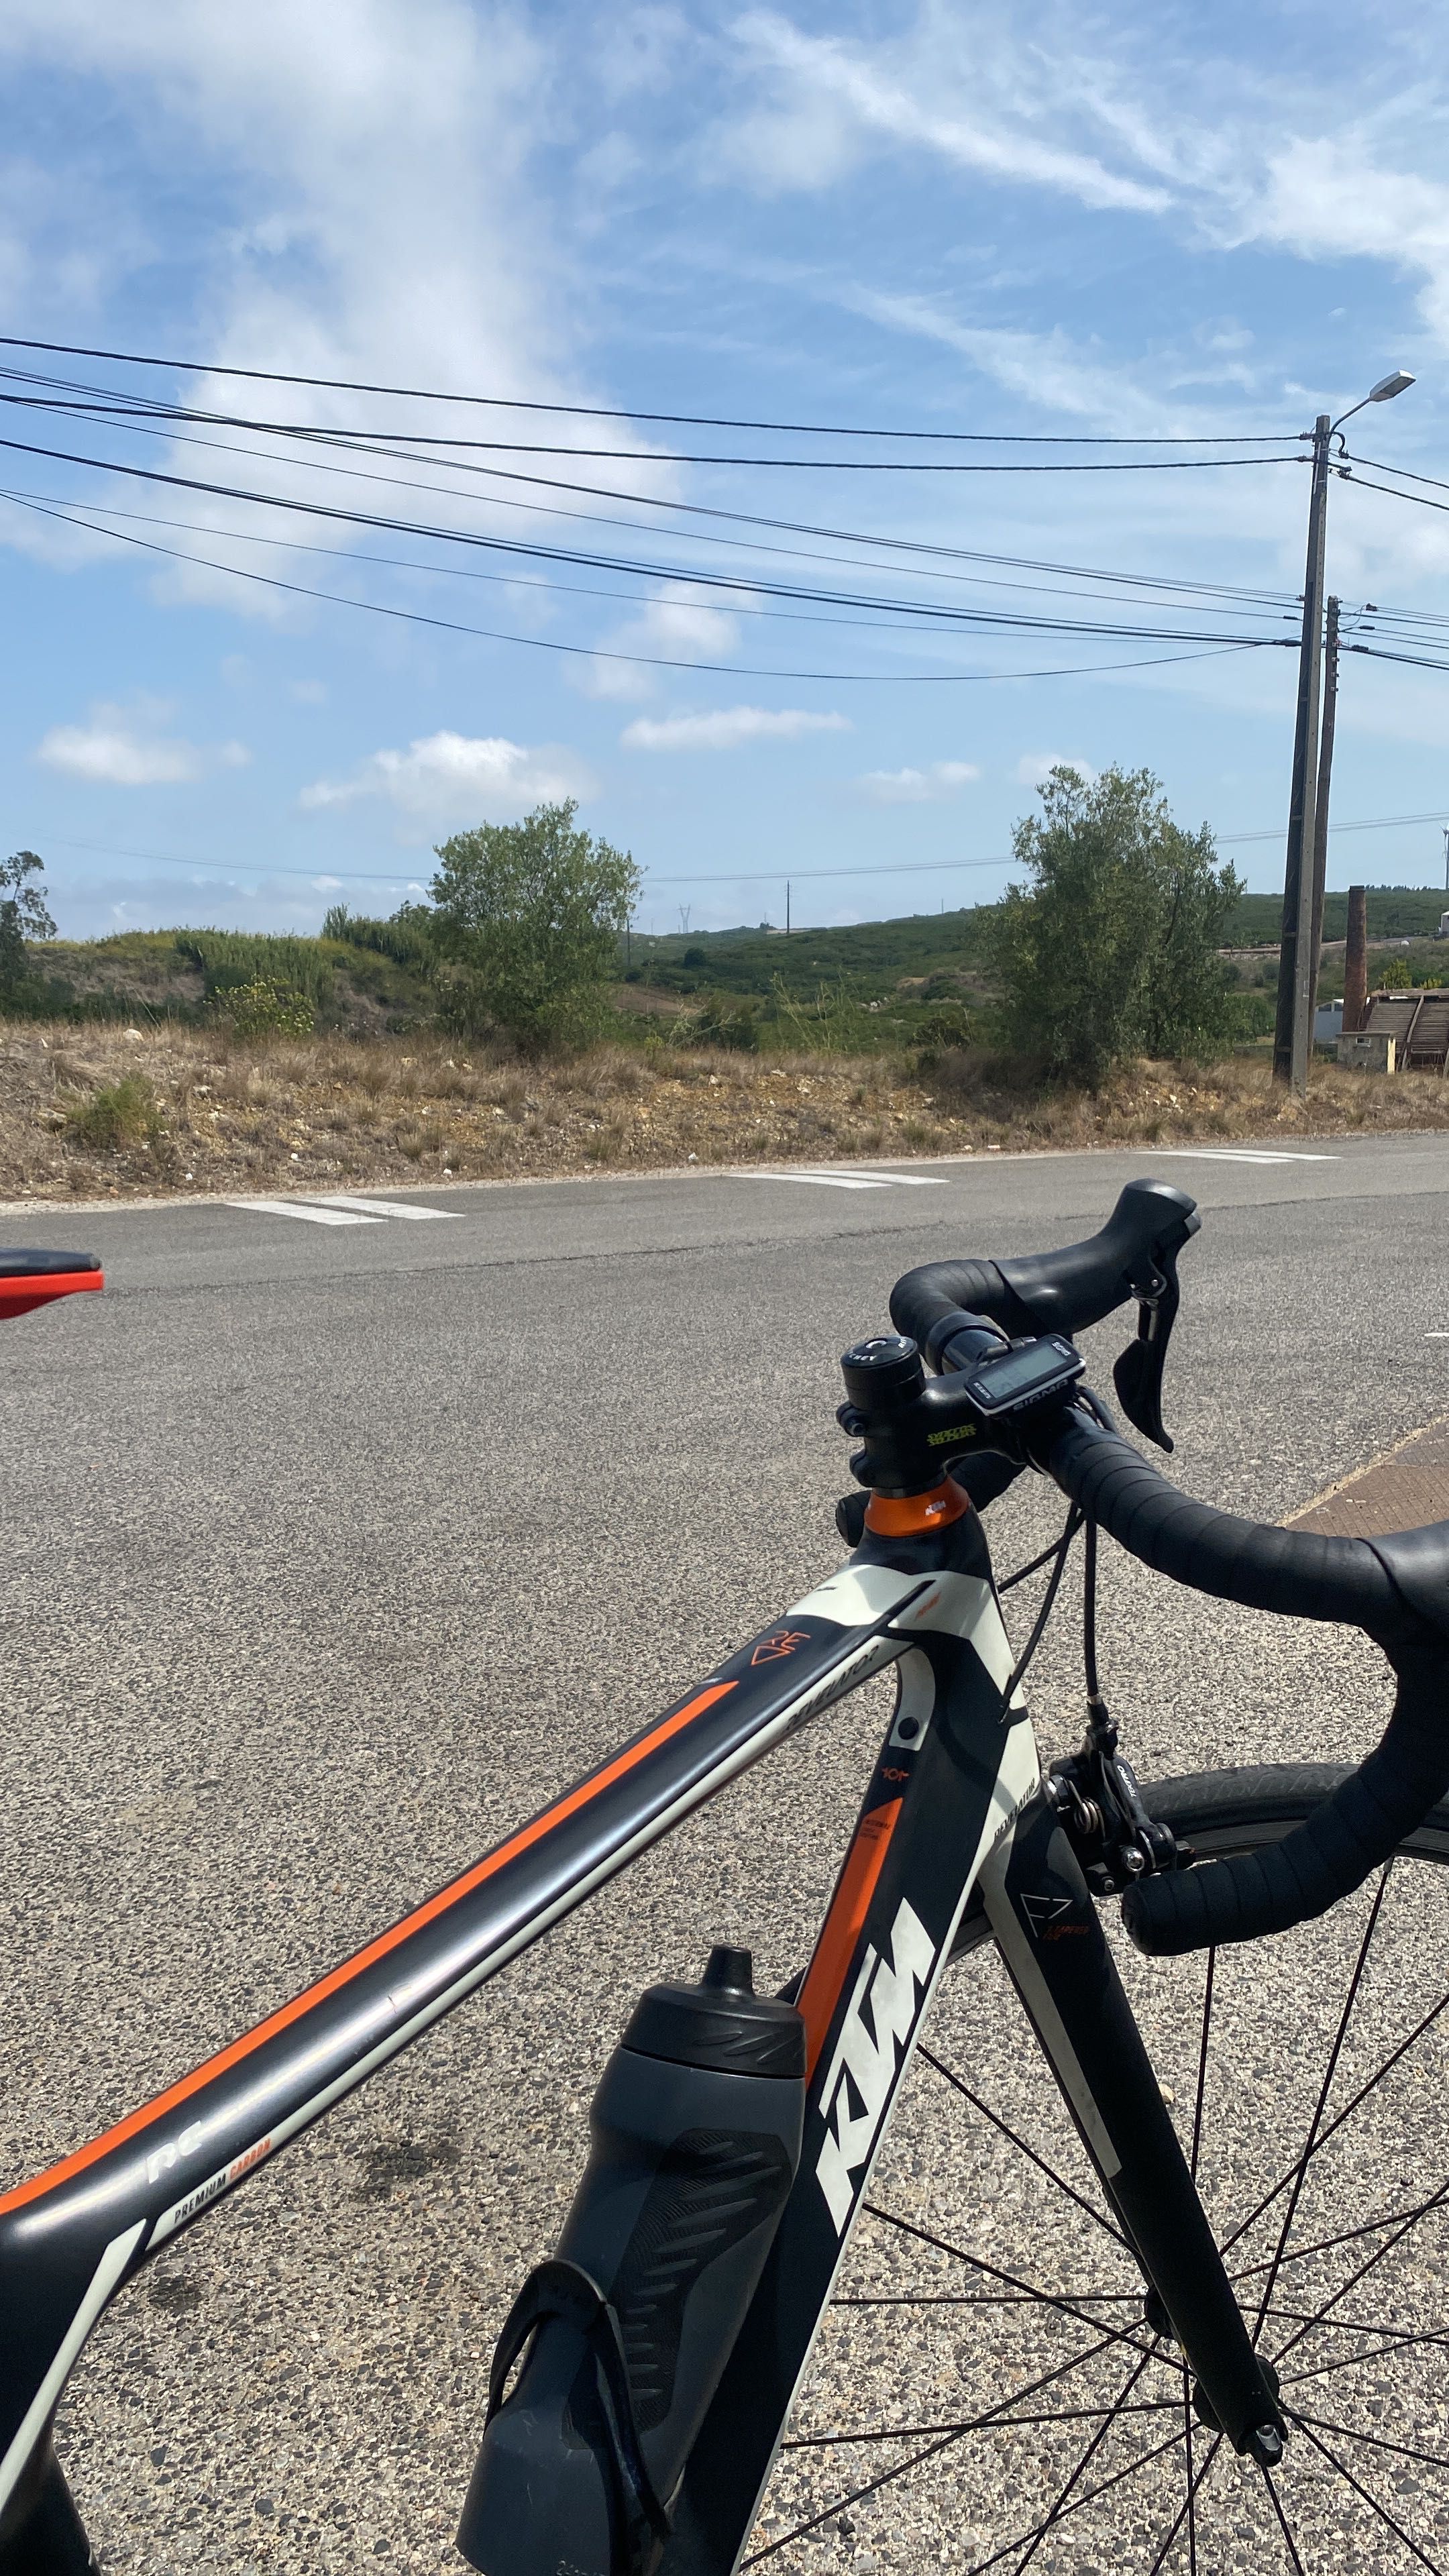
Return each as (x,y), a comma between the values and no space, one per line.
(668,419)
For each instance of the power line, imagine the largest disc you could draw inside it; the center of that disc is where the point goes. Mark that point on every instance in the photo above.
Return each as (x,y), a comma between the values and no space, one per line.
(363,438)
(667,419)
(656,571)
(774,876)
(948,618)
(651,661)
(936,552)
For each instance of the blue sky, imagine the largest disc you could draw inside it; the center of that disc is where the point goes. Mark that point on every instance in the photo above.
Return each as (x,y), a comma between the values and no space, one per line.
(1045,223)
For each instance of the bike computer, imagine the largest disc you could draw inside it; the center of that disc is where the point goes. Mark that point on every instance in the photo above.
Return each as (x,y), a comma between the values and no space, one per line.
(1022,1377)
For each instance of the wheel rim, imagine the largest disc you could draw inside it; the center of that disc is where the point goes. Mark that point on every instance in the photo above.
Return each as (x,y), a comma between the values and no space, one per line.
(987,2393)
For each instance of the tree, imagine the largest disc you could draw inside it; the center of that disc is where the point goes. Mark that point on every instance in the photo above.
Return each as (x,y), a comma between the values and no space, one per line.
(1112,949)
(528,915)
(23,914)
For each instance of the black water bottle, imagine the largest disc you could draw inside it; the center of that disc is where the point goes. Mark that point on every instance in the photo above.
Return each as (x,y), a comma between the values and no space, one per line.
(696,2140)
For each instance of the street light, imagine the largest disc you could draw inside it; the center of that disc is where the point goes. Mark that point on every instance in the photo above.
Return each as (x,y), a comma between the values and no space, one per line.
(1302,896)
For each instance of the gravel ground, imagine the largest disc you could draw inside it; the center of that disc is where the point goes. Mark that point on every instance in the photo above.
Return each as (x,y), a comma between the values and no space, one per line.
(321,1572)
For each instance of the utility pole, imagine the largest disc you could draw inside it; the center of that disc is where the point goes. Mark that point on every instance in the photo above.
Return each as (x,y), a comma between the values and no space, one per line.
(787,907)
(1320,803)
(1298,947)
(1292,1033)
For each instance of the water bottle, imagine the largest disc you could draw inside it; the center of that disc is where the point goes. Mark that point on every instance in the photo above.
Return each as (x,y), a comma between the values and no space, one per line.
(696,2139)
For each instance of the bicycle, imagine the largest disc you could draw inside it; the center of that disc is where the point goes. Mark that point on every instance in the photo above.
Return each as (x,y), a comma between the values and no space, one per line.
(1141,2406)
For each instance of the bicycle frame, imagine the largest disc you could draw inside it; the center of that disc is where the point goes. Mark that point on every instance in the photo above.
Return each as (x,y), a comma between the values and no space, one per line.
(956,1771)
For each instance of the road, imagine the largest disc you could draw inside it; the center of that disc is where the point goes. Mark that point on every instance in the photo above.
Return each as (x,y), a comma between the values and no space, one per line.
(332,1550)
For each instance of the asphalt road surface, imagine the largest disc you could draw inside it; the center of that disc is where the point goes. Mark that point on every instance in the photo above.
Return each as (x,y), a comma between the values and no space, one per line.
(333,1549)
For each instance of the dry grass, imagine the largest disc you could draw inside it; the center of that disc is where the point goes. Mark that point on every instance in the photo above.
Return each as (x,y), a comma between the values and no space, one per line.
(332,1112)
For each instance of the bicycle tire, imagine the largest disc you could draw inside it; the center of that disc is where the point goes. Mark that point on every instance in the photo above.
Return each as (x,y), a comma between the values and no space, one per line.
(1085,2463)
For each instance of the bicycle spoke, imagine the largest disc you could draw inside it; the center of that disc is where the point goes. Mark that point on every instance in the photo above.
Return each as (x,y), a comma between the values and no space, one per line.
(1113,2416)
(987,2298)
(973,2423)
(1187,2506)
(1321,2104)
(1376,2441)
(925,2055)
(1361,2274)
(1371,2501)
(1283,2525)
(1349,2235)
(1045,2298)
(1361,2325)
(1352,2360)
(979,2566)
(1337,2122)
(903,2468)
(1187,2422)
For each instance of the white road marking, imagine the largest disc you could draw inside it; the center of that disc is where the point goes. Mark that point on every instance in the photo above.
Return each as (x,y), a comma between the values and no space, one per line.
(1234,1154)
(851,1180)
(376,1207)
(299,1207)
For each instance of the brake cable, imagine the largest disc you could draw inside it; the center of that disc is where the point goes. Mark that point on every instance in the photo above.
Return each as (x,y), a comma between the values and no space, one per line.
(1059,1551)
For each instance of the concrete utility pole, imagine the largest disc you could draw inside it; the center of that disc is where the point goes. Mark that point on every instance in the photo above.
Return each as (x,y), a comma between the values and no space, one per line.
(1320,802)
(1298,949)
(1355,962)
(1292,1032)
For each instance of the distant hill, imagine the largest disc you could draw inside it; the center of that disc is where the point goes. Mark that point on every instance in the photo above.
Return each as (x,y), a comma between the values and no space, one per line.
(1394,912)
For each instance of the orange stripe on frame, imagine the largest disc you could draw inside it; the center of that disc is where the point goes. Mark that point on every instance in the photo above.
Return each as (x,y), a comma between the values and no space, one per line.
(841,1929)
(378,1949)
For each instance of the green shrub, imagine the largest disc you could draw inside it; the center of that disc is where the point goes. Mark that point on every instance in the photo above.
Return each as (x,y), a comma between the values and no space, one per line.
(1112,950)
(122,1113)
(528,916)
(264,1009)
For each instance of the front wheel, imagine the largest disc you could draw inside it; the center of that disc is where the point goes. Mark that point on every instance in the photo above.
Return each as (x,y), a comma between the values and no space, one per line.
(990,2390)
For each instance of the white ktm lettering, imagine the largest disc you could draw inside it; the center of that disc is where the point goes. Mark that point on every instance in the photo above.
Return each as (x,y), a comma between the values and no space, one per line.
(866,2059)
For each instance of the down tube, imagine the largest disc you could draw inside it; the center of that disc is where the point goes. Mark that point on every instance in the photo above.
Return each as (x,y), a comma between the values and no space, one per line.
(73,2236)
(956,1767)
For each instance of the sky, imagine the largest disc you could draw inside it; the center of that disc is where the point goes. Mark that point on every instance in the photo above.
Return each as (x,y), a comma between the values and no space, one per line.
(1019,230)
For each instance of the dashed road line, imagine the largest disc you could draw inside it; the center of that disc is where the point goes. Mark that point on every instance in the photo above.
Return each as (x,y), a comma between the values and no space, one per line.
(378,1207)
(852,1180)
(1234,1154)
(299,1208)
(337,1207)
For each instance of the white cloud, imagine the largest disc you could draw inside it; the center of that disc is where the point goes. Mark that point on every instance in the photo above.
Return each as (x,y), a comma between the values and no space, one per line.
(120,749)
(674,626)
(458,778)
(972,102)
(1035,767)
(727,728)
(929,786)
(381,221)
(309,693)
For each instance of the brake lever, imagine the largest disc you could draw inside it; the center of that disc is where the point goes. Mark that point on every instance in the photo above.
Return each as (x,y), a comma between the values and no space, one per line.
(1137,1376)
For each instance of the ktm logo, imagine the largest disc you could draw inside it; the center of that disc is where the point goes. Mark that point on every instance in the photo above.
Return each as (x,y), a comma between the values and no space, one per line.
(867,2055)
(784,1642)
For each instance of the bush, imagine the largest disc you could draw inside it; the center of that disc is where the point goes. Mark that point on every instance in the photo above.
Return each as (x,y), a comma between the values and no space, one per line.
(263,1009)
(528,917)
(1113,950)
(123,1113)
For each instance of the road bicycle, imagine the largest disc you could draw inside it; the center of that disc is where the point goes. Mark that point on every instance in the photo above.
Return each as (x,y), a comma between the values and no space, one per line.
(807,2310)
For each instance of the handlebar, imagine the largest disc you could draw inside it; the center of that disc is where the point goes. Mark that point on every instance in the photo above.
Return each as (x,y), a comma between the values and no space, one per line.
(1053,1292)
(1395,1588)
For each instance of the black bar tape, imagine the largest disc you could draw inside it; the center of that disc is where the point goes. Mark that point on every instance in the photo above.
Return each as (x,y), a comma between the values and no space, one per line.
(1054,1292)
(1287,1571)
(1352,1581)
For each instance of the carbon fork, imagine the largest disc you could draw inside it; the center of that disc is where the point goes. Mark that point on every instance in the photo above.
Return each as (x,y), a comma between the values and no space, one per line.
(1050,1936)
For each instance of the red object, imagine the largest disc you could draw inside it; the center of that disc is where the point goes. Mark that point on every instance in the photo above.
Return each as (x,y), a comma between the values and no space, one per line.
(18,1295)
